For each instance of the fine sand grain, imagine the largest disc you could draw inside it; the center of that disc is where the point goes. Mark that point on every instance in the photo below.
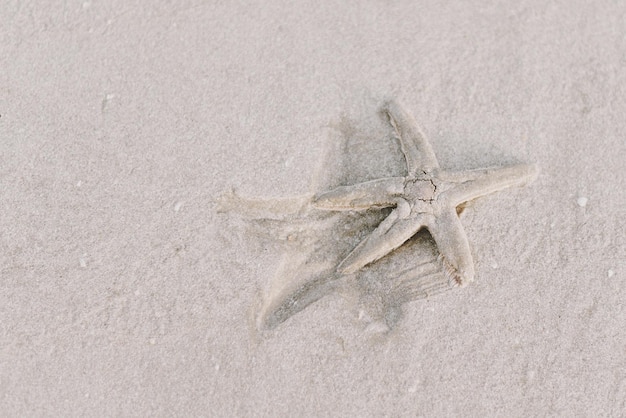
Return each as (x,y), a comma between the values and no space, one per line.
(143,148)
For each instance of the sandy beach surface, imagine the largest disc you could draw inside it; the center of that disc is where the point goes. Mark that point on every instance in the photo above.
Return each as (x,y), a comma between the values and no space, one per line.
(128,287)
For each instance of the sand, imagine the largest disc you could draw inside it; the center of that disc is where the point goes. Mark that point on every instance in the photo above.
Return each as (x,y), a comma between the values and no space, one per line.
(126,291)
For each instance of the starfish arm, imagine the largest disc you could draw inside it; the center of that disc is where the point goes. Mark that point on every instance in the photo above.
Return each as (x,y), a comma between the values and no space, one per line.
(380,193)
(449,235)
(415,147)
(477,183)
(388,236)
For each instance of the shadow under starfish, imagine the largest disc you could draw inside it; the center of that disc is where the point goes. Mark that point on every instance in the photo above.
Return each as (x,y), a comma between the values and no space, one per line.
(321,232)
(314,243)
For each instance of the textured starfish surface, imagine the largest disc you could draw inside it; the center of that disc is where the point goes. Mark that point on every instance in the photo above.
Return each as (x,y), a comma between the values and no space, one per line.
(426,198)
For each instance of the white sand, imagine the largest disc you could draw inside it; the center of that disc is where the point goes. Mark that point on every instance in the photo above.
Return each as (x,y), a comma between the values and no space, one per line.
(121,292)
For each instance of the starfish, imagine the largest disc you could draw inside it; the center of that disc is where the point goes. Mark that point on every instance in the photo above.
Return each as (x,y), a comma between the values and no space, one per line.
(427,197)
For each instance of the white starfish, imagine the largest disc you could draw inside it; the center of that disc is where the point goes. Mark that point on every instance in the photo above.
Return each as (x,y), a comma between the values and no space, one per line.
(426,198)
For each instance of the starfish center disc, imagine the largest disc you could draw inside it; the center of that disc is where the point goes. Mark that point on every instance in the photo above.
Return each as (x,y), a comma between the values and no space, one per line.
(419,189)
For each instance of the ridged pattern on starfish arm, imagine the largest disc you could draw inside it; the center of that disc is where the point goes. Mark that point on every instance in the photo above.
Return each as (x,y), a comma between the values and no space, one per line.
(389,235)
(426,197)
(473,184)
(453,246)
(416,149)
(381,193)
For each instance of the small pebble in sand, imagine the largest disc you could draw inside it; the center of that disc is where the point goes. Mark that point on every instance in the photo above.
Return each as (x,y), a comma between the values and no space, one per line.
(178,206)
(83,262)
(582,201)
(610,273)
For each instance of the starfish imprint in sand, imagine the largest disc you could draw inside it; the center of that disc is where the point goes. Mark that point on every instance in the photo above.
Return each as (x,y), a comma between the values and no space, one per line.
(427,197)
